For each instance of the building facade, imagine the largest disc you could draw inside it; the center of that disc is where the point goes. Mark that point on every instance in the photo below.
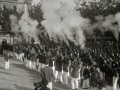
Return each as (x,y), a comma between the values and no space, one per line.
(18,5)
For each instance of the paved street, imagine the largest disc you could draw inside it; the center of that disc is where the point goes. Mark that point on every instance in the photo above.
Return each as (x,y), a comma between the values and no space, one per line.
(20,78)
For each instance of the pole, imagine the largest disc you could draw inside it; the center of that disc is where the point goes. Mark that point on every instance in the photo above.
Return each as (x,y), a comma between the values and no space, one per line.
(10,38)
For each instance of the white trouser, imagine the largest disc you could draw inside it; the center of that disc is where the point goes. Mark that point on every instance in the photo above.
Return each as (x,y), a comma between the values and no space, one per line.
(33,65)
(7,64)
(65,77)
(30,64)
(53,67)
(56,74)
(74,83)
(49,85)
(115,85)
(16,55)
(26,62)
(39,67)
(104,88)
(20,56)
(86,85)
(60,76)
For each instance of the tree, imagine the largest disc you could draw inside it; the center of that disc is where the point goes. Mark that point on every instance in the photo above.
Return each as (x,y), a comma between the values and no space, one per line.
(4,18)
(101,7)
(87,8)
(36,14)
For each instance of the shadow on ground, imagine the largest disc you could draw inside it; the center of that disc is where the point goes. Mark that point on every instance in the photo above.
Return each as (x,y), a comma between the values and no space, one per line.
(6,73)
(6,89)
(32,73)
(21,87)
(2,68)
(58,85)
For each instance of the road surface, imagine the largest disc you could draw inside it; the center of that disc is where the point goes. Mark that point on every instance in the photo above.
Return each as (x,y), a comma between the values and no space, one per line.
(18,77)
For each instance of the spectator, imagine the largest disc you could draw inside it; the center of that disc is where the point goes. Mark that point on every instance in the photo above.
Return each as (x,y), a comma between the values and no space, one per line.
(75,74)
(65,70)
(85,77)
(6,57)
(94,78)
(58,68)
(47,73)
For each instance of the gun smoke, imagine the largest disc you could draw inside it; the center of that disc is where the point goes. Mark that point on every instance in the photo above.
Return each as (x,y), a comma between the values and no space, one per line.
(62,21)
(25,25)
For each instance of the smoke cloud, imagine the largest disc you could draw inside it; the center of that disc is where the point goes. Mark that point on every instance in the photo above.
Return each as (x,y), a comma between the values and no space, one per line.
(28,26)
(63,21)
(117,16)
(14,24)
(25,25)
(108,23)
(15,27)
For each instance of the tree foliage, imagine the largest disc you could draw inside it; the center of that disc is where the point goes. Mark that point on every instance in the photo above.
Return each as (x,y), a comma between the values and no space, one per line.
(4,18)
(36,13)
(103,7)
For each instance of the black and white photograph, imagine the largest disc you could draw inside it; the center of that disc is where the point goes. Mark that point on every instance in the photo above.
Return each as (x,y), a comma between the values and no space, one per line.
(59,44)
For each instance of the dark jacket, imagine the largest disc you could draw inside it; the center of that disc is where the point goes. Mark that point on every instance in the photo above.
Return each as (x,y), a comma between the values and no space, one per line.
(58,64)
(51,62)
(65,64)
(109,76)
(43,58)
(94,78)
(6,56)
(29,57)
(86,73)
(40,57)
(25,53)
(47,73)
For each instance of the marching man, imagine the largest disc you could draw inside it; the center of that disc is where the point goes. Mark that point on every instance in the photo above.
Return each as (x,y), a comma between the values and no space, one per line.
(76,65)
(85,77)
(6,57)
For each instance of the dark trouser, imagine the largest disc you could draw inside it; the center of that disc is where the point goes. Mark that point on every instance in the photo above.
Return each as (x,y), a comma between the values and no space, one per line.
(81,83)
